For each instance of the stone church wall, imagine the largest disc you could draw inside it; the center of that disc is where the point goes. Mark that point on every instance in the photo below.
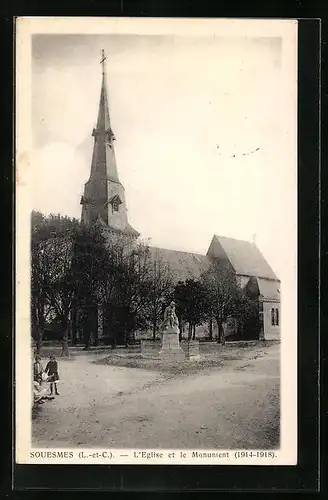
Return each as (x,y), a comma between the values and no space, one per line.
(271,332)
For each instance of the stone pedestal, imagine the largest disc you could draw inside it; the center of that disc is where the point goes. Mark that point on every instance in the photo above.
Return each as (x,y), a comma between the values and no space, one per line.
(171,349)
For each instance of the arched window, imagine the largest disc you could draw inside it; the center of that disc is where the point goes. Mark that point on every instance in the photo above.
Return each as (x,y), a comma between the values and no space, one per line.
(272,316)
(277,316)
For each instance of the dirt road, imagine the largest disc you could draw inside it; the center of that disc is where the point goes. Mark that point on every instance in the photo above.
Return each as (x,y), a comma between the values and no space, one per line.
(233,405)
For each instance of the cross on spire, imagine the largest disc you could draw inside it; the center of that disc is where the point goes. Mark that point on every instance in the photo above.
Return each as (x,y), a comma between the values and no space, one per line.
(103,59)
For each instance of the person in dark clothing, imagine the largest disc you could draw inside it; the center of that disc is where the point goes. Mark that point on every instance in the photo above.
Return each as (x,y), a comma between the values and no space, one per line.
(52,372)
(37,370)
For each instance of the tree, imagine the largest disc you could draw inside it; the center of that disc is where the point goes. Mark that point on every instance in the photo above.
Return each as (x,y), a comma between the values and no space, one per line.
(131,296)
(247,315)
(53,279)
(221,288)
(62,285)
(101,258)
(40,307)
(191,300)
(161,280)
(74,267)
(88,264)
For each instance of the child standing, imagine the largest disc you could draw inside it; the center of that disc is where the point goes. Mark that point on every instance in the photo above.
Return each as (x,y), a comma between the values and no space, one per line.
(37,370)
(52,372)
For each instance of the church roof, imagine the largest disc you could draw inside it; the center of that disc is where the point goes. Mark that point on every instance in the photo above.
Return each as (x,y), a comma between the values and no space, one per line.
(244,256)
(184,265)
(128,230)
(269,289)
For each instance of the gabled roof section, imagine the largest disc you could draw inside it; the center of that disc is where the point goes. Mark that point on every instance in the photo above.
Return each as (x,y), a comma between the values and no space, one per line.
(130,230)
(269,289)
(244,256)
(100,222)
(184,265)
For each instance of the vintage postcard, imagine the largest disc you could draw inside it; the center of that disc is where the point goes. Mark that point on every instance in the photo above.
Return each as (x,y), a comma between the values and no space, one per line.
(156,241)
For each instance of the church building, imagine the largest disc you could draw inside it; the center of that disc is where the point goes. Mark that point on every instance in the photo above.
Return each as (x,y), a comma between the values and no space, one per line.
(104,202)
(104,195)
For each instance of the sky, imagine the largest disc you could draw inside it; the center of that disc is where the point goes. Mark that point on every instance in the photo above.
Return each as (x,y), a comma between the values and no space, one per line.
(200,126)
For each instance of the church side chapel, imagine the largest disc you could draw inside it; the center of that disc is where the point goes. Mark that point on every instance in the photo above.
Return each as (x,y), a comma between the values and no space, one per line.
(104,203)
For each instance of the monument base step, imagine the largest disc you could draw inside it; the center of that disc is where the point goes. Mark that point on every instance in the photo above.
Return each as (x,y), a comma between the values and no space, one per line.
(197,357)
(172,354)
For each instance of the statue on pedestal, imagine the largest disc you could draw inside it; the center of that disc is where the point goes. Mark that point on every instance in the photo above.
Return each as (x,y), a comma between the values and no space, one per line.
(171,321)
(171,349)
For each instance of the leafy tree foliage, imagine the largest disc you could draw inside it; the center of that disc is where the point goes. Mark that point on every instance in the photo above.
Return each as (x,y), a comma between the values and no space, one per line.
(53,279)
(161,286)
(222,290)
(192,303)
(131,293)
(226,298)
(77,271)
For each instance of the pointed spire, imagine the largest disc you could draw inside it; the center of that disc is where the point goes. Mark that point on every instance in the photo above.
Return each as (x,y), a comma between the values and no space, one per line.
(103,122)
(104,161)
(104,195)
(103,59)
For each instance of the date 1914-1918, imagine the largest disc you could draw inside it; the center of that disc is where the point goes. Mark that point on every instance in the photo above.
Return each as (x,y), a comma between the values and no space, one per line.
(255,454)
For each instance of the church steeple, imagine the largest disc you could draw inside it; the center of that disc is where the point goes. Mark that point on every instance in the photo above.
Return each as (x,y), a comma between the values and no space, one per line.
(104,161)
(104,196)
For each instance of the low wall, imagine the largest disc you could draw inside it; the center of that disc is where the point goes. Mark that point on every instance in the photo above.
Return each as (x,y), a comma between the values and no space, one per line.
(207,347)
(150,347)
